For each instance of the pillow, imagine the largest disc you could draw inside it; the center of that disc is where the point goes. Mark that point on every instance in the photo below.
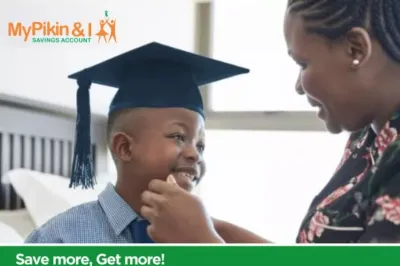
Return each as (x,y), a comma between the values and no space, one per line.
(20,220)
(9,236)
(47,195)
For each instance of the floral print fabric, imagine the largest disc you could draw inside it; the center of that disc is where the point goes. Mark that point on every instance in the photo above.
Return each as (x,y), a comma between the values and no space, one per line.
(361,202)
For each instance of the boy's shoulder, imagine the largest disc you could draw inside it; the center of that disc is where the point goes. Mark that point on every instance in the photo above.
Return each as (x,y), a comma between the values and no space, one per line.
(69,226)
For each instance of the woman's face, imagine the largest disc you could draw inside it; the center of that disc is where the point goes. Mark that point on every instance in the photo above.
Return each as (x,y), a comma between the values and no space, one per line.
(328,78)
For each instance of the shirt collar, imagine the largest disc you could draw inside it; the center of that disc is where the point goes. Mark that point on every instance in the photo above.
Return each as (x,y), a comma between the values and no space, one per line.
(118,212)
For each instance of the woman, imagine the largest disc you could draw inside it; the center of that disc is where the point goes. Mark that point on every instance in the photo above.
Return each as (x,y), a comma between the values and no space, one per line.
(349,54)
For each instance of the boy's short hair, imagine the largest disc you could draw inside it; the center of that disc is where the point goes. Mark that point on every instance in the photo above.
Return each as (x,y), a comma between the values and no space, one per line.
(111,121)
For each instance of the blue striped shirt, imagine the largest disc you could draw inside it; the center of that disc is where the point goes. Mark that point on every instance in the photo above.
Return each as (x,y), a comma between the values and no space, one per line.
(106,220)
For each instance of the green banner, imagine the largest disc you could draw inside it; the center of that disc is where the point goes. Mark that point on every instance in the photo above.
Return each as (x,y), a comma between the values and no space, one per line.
(198,255)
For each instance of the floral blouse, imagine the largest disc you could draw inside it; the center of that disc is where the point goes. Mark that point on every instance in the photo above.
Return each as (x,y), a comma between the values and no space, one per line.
(361,202)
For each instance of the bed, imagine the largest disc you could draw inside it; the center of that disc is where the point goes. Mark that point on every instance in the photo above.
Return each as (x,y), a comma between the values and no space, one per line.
(9,234)
(45,196)
(36,144)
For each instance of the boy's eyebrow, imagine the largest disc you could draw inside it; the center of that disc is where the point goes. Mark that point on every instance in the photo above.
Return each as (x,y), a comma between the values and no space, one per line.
(178,123)
(184,125)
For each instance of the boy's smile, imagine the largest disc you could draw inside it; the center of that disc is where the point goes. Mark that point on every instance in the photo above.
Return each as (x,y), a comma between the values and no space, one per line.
(186,177)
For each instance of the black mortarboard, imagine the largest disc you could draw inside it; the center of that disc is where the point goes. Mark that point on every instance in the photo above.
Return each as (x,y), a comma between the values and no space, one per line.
(153,75)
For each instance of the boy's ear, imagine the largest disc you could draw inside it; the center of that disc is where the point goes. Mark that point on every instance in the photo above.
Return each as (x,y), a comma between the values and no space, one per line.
(122,146)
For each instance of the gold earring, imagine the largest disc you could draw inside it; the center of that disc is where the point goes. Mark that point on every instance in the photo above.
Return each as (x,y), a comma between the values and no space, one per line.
(356,62)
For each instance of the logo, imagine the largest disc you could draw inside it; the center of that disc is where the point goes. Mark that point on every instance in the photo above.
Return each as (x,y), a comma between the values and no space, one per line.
(109,34)
(104,31)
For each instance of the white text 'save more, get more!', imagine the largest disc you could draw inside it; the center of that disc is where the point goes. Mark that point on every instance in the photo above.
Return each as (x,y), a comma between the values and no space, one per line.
(101,259)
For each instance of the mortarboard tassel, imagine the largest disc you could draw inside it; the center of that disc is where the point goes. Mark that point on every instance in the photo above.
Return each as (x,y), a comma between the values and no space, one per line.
(82,164)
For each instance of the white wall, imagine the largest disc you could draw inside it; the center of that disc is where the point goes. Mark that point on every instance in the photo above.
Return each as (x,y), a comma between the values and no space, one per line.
(265,180)
(39,71)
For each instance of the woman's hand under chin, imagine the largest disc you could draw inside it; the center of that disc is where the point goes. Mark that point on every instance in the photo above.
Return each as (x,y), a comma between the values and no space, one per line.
(176,215)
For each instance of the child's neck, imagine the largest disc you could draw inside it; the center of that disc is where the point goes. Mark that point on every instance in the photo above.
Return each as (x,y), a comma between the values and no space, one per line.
(131,195)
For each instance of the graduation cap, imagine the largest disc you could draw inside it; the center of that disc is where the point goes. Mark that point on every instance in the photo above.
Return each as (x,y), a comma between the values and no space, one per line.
(151,76)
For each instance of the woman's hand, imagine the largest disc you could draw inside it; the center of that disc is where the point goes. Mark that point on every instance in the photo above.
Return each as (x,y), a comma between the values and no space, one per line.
(175,215)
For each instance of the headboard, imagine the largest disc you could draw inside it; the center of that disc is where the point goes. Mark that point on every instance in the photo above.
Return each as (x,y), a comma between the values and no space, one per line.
(40,137)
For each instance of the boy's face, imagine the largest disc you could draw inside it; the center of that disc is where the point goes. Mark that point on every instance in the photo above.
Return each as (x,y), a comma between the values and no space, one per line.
(160,142)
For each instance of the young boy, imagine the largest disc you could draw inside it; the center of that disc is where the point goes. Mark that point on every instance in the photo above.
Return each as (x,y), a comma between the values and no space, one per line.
(155,128)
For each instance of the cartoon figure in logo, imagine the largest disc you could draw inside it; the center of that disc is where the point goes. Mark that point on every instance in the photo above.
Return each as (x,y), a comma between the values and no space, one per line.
(111,24)
(102,34)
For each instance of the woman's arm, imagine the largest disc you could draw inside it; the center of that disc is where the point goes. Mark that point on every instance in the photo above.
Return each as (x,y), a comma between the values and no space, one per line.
(234,234)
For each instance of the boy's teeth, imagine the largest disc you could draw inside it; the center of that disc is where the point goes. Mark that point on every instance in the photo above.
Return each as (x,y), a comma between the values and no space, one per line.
(186,175)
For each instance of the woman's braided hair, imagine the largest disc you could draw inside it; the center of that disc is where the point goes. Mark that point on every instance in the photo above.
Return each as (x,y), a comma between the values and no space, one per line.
(334,18)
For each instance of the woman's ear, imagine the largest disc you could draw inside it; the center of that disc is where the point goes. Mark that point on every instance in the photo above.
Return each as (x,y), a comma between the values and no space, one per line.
(358,46)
